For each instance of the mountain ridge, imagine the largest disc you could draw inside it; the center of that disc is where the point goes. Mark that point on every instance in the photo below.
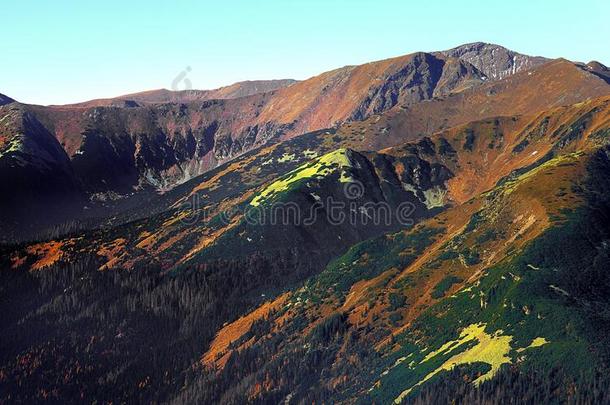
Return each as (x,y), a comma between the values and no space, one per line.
(160,146)
(496,61)
(160,96)
(406,231)
(5,99)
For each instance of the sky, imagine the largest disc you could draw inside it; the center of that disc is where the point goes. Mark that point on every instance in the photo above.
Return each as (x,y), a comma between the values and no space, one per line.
(58,52)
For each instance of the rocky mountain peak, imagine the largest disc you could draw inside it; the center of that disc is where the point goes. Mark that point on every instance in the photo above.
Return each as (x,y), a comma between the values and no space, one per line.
(495,61)
(595,65)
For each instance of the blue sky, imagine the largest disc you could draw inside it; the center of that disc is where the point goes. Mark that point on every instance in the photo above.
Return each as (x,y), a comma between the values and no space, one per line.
(56,52)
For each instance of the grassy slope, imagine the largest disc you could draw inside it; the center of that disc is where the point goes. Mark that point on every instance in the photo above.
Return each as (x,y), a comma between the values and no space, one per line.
(549,299)
(492,281)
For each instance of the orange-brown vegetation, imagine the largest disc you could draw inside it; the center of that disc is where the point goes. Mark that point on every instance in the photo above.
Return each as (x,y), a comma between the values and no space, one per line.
(216,355)
(47,253)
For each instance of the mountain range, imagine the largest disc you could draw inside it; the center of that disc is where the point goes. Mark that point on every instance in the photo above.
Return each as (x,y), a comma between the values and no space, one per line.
(184,246)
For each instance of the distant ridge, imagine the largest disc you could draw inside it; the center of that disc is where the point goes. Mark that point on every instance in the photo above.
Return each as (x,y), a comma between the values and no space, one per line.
(145,141)
(235,90)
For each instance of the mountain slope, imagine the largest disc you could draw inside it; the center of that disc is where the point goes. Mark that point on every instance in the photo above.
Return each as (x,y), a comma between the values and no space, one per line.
(118,149)
(165,144)
(37,180)
(495,61)
(556,83)
(202,274)
(5,99)
(599,69)
(235,90)
(479,285)
(126,148)
(449,168)
(446,240)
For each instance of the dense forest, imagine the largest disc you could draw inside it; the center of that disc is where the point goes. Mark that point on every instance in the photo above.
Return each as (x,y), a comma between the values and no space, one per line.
(72,331)
(116,336)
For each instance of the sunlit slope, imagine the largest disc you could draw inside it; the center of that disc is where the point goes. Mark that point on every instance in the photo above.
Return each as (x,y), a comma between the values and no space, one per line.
(512,276)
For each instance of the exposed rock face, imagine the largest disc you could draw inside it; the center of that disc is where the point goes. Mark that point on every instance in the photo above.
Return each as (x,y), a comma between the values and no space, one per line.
(599,69)
(495,61)
(556,83)
(425,77)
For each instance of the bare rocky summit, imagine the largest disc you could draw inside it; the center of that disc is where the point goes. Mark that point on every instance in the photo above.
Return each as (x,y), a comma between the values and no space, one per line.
(495,61)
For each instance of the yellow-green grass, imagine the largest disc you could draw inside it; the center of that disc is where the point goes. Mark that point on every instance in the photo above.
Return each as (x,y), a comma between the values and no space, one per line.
(323,166)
